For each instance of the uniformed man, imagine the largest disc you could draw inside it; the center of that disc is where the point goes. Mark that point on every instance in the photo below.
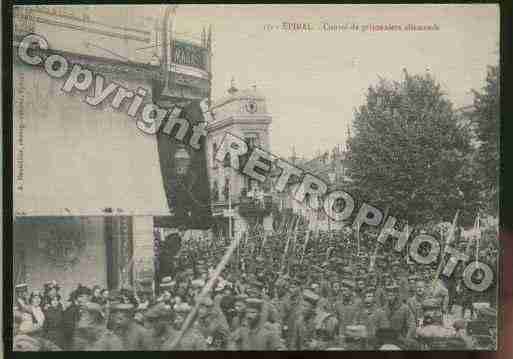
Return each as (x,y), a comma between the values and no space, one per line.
(192,339)
(212,324)
(360,288)
(239,308)
(315,328)
(399,316)
(134,336)
(256,333)
(22,297)
(157,319)
(433,335)
(370,315)
(399,277)
(346,306)
(415,301)
(412,285)
(78,298)
(437,290)
(90,332)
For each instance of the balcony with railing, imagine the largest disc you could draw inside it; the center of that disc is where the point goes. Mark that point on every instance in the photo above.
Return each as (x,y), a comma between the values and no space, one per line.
(258,204)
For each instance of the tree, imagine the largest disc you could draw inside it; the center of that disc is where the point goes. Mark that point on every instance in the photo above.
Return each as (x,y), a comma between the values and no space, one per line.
(486,119)
(410,154)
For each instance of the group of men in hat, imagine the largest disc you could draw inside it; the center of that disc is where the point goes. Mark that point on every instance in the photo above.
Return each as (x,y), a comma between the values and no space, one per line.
(320,296)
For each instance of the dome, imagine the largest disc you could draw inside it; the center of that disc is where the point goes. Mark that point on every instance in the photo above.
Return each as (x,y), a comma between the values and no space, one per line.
(235,94)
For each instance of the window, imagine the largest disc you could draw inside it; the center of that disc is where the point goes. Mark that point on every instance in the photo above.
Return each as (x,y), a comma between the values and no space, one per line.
(252,139)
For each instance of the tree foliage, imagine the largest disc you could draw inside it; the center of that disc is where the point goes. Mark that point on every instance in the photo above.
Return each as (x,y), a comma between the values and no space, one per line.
(486,119)
(409,153)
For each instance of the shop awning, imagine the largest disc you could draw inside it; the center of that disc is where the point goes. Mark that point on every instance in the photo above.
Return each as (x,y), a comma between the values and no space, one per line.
(73,159)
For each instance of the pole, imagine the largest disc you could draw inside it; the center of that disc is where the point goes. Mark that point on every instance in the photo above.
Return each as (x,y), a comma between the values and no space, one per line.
(307,239)
(206,289)
(448,240)
(282,267)
(478,237)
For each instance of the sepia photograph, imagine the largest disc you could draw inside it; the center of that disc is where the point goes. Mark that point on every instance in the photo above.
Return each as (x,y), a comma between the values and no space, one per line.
(255,177)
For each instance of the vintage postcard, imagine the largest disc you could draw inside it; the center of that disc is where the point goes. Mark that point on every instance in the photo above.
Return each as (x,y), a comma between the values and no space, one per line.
(255,177)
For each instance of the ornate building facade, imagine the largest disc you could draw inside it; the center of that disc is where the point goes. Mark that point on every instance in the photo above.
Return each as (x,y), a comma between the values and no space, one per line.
(88,184)
(242,113)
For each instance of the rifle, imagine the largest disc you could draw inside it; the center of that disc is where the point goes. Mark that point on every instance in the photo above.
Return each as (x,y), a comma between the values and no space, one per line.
(285,251)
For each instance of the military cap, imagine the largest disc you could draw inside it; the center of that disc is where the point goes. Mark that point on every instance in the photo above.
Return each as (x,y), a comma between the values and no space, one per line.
(158,311)
(182,308)
(167,282)
(206,301)
(121,307)
(188,271)
(257,284)
(392,287)
(254,303)
(198,283)
(431,303)
(347,284)
(310,296)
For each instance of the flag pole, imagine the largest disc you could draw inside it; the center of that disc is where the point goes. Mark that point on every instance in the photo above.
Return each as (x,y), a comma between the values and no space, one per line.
(206,289)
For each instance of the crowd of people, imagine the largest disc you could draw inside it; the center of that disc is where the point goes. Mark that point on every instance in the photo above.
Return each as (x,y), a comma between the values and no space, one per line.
(295,289)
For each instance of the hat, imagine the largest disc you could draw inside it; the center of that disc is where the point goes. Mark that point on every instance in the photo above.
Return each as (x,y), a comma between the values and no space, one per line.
(123,307)
(256,283)
(356,331)
(254,303)
(392,287)
(167,282)
(310,296)
(431,303)
(198,283)
(188,271)
(182,308)
(159,310)
(51,284)
(348,284)
(81,290)
(21,287)
(206,301)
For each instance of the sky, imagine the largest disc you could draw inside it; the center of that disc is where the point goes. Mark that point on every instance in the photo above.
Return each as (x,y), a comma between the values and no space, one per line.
(314,80)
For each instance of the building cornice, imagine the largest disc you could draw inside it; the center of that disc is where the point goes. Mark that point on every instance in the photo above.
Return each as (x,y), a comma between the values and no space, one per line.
(240,119)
